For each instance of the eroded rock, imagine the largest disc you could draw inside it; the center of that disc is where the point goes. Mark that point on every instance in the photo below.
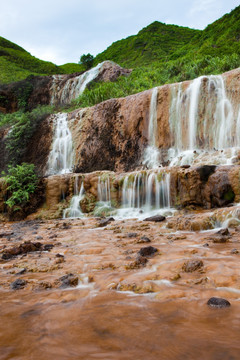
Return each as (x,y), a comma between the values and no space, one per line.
(192,265)
(147,251)
(18,284)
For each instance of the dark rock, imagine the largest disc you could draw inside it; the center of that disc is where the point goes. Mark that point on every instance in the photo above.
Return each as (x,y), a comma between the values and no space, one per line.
(139,262)
(105,222)
(223,232)
(156,218)
(206,245)
(218,239)
(24,248)
(192,265)
(147,251)
(6,234)
(218,303)
(59,256)
(18,284)
(185,166)
(205,171)
(68,280)
(21,272)
(144,239)
(39,237)
(66,226)
(234,251)
(53,236)
(48,247)
(132,235)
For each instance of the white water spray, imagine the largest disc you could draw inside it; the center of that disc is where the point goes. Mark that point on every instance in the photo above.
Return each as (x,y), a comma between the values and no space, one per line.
(74,211)
(60,159)
(151,155)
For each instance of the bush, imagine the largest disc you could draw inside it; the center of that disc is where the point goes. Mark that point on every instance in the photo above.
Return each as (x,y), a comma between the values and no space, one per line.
(21,182)
(23,127)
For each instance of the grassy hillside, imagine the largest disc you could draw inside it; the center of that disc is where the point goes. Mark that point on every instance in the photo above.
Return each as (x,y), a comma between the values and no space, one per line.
(16,64)
(154,42)
(211,51)
(159,54)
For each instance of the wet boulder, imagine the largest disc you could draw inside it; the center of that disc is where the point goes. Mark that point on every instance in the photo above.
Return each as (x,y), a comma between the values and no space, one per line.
(218,303)
(69,280)
(192,265)
(156,218)
(18,284)
(147,251)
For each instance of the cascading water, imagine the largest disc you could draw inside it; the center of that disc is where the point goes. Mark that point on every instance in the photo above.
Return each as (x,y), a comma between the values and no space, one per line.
(145,193)
(74,211)
(73,87)
(60,159)
(202,119)
(151,155)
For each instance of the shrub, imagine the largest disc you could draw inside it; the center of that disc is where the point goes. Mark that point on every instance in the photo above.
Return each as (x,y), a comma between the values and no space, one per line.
(23,127)
(21,181)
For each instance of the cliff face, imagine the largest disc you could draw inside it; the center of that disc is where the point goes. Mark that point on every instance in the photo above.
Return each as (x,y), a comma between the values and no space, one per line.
(193,127)
(57,89)
(111,135)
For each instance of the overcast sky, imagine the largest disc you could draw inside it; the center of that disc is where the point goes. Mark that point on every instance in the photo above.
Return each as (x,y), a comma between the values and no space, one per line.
(62,30)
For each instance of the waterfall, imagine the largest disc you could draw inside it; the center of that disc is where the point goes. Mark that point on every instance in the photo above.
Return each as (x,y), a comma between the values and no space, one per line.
(151,154)
(63,92)
(202,119)
(104,194)
(146,191)
(74,211)
(60,159)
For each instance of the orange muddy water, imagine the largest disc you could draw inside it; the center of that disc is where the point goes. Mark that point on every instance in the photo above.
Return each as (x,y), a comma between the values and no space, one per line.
(118,308)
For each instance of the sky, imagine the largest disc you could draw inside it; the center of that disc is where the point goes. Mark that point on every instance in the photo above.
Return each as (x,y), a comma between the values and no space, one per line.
(62,30)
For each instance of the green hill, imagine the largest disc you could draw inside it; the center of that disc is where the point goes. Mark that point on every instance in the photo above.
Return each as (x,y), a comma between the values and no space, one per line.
(161,54)
(16,64)
(154,42)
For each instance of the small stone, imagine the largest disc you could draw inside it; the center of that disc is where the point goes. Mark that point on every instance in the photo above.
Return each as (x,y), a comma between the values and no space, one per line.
(68,280)
(105,222)
(156,218)
(206,245)
(48,247)
(218,303)
(22,271)
(59,256)
(234,251)
(39,237)
(144,239)
(139,262)
(53,236)
(132,235)
(223,232)
(192,265)
(18,284)
(147,251)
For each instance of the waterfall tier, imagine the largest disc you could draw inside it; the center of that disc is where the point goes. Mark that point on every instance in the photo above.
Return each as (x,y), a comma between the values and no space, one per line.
(60,159)
(74,210)
(203,119)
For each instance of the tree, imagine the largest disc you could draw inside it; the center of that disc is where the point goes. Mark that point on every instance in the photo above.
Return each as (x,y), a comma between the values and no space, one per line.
(86,61)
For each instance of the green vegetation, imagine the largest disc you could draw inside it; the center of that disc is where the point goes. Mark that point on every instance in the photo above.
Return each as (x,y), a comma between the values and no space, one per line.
(16,64)
(21,182)
(86,61)
(154,42)
(23,128)
(159,54)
